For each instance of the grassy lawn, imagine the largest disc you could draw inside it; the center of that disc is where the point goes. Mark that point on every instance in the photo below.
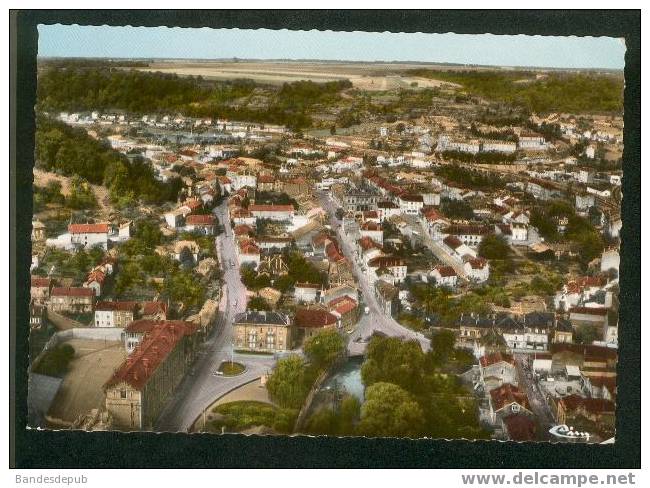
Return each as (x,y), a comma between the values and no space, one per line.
(241,415)
(231,369)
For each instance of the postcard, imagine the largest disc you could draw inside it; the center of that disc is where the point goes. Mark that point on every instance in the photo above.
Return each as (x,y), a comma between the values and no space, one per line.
(326,233)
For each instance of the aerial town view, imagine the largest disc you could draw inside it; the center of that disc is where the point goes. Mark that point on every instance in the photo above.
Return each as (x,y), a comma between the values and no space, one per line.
(326,247)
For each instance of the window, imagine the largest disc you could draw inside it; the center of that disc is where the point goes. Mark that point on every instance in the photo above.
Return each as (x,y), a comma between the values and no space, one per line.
(122,393)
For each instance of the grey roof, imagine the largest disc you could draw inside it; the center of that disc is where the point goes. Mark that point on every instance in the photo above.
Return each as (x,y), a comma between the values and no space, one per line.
(261,317)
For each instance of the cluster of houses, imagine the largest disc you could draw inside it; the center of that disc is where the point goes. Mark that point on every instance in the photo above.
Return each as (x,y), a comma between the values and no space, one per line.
(577,383)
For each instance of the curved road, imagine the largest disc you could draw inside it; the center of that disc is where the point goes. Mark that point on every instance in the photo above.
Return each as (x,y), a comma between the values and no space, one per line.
(200,387)
(375,319)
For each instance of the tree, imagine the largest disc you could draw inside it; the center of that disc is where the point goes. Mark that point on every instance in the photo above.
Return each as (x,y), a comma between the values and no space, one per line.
(493,247)
(324,348)
(388,359)
(289,383)
(323,422)
(586,334)
(443,346)
(389,411)
(349,413)
(258,303)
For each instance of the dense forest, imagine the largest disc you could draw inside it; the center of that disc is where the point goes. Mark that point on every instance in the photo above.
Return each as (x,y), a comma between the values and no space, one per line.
(72,152)
(562,92)
(85,89)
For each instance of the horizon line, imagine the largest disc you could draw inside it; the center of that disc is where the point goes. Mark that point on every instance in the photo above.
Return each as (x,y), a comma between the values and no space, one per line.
(316,60)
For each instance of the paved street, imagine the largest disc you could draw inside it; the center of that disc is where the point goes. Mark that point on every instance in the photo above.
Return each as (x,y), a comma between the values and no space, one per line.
(538,404)
(375,319)
(437,248)
(201,388)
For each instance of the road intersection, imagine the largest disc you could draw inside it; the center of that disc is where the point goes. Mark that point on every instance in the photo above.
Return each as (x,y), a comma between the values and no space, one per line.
(201,387)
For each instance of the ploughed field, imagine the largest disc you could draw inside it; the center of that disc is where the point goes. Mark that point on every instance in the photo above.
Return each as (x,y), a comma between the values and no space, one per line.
(365,76)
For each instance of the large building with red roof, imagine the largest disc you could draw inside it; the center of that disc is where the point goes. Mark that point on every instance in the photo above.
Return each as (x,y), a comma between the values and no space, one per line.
(72,299)
(89,235)
(139,388)
(311,321)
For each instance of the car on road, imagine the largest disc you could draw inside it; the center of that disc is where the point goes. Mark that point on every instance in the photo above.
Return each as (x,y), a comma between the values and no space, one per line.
(217,373)
(366,310)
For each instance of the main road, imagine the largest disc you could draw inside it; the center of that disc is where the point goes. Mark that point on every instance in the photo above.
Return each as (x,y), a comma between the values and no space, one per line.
(201,387)
(375,319)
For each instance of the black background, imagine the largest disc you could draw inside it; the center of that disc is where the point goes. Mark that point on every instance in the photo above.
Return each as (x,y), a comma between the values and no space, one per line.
(68,449)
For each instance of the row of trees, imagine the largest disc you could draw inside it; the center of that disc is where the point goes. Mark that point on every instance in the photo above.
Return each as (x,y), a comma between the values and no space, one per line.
(555,92)
(470,179)
(481,157)
(79,89)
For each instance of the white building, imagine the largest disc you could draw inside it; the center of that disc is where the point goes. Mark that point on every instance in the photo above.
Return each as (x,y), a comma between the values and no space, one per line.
(306,292)
(411,204)
(89,235)
(444,276)
(477,269)
(499,146)
(272,212)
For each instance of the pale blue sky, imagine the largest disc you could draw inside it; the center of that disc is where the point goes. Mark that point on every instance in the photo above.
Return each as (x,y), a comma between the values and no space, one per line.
(205,43)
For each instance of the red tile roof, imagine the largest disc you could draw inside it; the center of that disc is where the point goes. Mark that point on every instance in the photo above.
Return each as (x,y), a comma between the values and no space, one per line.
(452,242)
(271,208)
(371,226)
(308,285)
(592,405)
(333,253)
(589,311)
(88,228)
(412,198)
(507,394)
(477,263)
(446,271)
(193,203)
(265,179)
(367,243)
(343,305)
(242,229)
(96,275)
(431,214)
(39,282)
(159,341)
(589,350)
(146,325)
(312,318)
(152,308)
(497,357)
(73,292)
(467,229)
(200,219)
(386,262)
(248,247)
(520,428)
